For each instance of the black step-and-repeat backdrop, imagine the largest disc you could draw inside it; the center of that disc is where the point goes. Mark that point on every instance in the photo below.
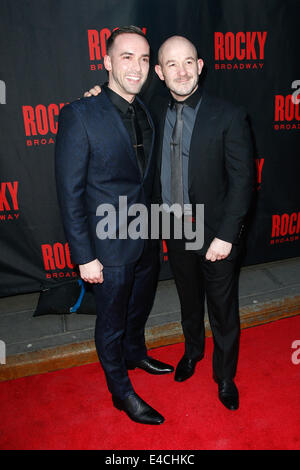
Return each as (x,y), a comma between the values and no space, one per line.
(52,51)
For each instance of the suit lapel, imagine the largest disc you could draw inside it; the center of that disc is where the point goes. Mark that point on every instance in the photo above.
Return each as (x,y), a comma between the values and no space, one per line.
(202,132)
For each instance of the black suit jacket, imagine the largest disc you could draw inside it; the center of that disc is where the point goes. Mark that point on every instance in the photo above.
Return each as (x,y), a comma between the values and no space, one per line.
(220,166)
(95,164)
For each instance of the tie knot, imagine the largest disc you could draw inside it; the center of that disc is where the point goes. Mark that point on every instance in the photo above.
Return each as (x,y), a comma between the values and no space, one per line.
(131,110)
(178,107)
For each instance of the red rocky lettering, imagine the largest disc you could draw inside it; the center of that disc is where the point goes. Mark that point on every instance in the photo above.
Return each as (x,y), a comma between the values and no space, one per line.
(10,189)
(240,46)
(97,42)
(56,256)
(285,224)
(285,109)
(41,119)
(259,165)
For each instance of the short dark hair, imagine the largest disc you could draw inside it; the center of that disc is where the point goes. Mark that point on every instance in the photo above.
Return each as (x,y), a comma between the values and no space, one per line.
(123,30)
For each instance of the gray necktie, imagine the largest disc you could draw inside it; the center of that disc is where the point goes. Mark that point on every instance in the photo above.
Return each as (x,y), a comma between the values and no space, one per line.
(176,158)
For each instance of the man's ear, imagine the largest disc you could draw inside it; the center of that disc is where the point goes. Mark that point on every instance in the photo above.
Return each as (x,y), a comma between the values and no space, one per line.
(200,66)
(107,63)
(159,72)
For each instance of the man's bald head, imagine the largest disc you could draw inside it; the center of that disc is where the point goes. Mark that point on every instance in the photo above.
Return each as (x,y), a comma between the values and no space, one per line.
(171,44)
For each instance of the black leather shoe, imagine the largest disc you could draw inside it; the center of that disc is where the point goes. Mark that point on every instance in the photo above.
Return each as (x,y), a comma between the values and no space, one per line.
(228,393)
(185,368)
(150,365)
(138,410)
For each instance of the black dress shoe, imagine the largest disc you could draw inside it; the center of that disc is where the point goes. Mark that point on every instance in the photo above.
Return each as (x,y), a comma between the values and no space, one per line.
(228,393)
(150,365)
(185,368)
(138,410)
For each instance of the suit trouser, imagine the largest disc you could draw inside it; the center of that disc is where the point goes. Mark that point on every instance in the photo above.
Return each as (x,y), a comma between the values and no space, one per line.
(194,277)
(124,301)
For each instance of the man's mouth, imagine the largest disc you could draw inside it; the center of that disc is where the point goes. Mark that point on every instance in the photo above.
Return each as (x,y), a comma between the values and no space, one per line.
(133,78)
(183,81)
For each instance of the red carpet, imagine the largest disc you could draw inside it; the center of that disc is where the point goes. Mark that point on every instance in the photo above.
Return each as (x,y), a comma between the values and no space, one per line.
(71,409)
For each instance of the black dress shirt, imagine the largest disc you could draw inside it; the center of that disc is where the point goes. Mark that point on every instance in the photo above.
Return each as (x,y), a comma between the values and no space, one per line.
(122,106)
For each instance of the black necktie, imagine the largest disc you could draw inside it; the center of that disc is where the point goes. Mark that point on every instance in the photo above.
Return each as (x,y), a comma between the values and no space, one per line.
(138,139)
(176,158)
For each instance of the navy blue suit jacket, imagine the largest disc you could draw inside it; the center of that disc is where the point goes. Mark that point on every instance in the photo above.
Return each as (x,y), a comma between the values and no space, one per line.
(95,163)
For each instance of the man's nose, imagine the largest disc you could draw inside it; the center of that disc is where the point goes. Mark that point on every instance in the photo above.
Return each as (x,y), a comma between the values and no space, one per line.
(136,65)
(182,70)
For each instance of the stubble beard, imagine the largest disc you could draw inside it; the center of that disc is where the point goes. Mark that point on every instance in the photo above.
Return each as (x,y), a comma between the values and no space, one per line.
(184,92)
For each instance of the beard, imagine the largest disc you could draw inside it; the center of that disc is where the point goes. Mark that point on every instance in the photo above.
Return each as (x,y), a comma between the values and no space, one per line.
(183,89)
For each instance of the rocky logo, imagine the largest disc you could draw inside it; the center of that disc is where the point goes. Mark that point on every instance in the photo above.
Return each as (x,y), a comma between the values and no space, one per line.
(97,46)
(240,51)
(57,261)
(285,228)
(286,113)
(9,207)
(40,123)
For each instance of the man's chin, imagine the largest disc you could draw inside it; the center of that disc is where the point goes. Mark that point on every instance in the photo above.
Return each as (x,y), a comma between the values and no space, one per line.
(134,90)
(184,92)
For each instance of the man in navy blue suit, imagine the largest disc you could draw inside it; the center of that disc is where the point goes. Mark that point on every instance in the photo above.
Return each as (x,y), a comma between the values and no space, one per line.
(104,151)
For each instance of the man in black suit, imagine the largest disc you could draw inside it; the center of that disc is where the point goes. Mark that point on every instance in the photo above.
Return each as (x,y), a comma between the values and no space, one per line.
(104,151)
(216,169)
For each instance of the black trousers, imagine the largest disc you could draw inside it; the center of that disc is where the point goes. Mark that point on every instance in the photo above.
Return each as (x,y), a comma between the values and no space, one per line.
(124,301)
(195,277)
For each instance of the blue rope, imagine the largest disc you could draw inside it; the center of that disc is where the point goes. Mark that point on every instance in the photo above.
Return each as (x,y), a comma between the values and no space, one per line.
(79,300)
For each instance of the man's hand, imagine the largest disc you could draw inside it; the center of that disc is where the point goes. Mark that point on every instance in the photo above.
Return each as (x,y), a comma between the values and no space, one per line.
(92,272)
(93,91)
(218,250)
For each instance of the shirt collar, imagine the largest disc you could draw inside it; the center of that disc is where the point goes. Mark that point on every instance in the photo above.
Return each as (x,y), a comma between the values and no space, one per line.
(191,101)
(117,100)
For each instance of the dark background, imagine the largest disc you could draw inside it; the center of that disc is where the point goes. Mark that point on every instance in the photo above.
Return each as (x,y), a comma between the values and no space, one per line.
(45,60)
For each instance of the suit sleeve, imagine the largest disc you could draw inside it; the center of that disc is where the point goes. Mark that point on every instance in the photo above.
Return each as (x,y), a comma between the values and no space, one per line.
(71,166)
(239,170)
